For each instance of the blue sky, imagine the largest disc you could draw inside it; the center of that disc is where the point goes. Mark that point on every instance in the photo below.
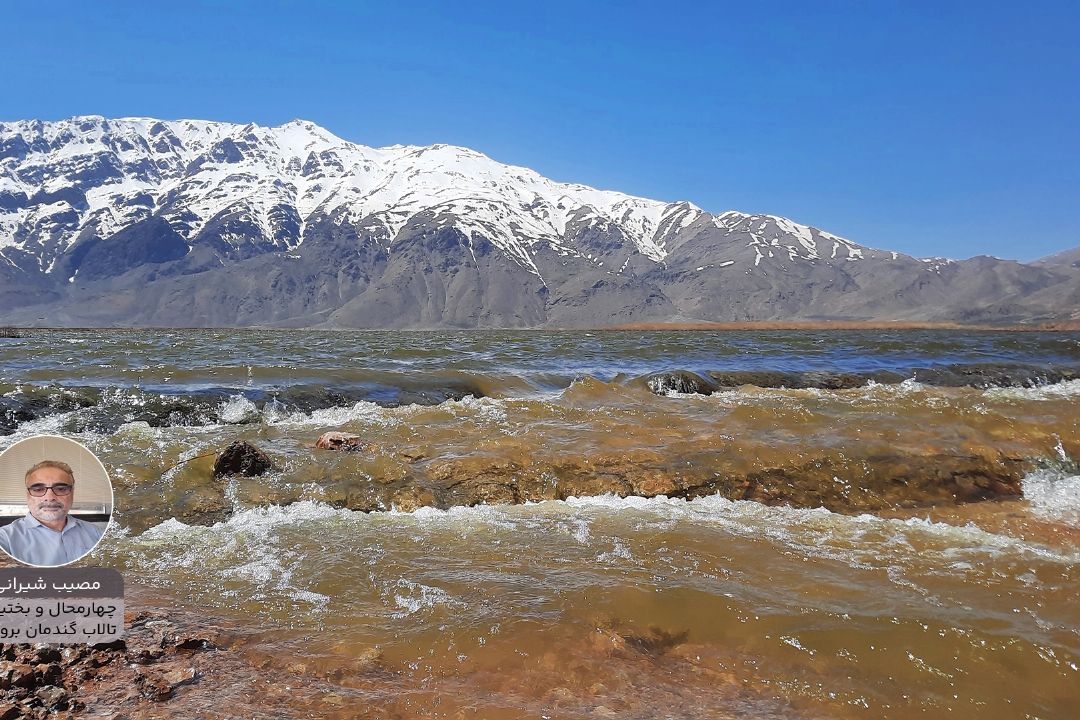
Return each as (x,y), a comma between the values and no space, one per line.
(932,128)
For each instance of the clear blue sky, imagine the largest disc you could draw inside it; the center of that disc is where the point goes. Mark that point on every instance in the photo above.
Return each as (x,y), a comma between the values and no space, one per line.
(932,128)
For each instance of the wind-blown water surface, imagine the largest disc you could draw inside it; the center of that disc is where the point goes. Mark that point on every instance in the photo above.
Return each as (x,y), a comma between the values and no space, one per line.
(585,606)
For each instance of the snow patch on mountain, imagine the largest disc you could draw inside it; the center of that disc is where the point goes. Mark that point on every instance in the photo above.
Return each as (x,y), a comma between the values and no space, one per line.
(247,185)
(195,173)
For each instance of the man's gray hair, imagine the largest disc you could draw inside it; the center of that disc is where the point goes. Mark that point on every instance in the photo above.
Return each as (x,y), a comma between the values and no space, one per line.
(51,464)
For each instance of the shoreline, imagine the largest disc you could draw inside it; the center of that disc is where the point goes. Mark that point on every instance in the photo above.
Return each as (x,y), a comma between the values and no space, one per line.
(828,325)
(658,326)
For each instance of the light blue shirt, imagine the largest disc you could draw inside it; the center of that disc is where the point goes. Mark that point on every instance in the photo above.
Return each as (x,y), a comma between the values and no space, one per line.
(28,540)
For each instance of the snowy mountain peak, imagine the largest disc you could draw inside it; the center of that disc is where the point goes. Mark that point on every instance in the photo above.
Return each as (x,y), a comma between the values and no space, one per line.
(105,174)
(190,222)
(250,189)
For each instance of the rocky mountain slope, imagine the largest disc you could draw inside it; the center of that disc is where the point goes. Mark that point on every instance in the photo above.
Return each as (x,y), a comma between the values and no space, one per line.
(138,221)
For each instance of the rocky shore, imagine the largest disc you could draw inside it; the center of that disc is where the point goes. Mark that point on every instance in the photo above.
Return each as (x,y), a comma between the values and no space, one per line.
(847,480)
(976,375)
(174,661)
(149,664)
(178,663)
(104,410)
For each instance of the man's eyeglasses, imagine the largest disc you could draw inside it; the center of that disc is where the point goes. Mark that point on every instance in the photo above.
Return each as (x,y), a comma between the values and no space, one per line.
(39,489)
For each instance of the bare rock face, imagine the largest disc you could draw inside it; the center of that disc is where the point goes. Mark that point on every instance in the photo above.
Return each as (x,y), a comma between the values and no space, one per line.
(349,442)
(241,458)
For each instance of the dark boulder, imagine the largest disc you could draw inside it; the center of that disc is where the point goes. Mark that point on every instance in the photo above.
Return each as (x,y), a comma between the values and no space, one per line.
(679,381)
(241,458)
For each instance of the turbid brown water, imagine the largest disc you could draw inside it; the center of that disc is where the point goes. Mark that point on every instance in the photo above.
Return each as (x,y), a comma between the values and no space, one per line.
(359,584)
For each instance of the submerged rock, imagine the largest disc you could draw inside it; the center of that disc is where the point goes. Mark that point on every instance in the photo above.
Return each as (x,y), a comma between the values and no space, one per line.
(241,458)
(680,381)
(979,375)
(339,441)
(841,482)
(987,375)
(27,403)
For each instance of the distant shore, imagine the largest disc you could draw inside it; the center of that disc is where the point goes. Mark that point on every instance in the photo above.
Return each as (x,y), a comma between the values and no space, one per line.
(1059,326)
(1068,326)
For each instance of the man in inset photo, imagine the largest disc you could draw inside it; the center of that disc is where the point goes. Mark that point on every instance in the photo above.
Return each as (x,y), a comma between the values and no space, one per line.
(48,535)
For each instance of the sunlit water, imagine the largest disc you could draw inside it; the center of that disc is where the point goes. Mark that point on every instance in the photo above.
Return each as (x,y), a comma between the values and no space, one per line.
(591,606)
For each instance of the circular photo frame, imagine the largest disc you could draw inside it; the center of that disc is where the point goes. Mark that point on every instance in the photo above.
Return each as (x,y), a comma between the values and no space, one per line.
(56,501)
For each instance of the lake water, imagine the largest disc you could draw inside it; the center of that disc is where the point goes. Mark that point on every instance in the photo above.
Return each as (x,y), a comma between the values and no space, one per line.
(586,606)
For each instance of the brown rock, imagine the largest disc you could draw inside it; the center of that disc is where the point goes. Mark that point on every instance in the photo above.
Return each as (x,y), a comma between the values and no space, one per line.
(53,697)
(409,499)
(358,498)
(47,654)
(159,685)
(343,441)
(100,658)
(480,481)
(385,470)
(72,654)
(653,483)
(837,479)
(180,676)
(114,645)
(241,458)
(22,675)
(194,643)
(143,656)
(154,687)
(49,674)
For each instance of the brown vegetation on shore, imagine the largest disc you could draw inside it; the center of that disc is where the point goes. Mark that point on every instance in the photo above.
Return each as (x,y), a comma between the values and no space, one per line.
(810,325)
(842,325)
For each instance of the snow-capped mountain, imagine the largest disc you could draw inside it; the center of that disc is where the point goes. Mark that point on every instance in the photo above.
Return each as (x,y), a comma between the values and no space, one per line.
(256,188)
(143,221)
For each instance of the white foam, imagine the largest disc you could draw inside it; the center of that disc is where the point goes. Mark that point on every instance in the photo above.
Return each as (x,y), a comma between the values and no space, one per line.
(363,411)
(247,549)
(238,410)
(908,387)
(413,597)
(1056,391)
(485,409)
(1054,495)
(862,541)
(136,429)
(395,562)
(818,531)
(50,425)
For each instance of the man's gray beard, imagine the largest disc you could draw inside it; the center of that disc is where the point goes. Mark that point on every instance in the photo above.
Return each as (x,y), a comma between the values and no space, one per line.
(45,513)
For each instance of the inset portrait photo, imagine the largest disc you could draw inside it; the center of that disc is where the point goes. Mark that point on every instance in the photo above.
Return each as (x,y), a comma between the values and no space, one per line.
(56,501)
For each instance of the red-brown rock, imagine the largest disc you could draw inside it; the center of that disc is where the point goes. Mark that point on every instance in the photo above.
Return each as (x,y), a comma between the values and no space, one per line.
(339,441)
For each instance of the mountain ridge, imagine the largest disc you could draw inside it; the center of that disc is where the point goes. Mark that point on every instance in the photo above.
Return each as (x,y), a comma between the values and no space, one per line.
(143,221)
